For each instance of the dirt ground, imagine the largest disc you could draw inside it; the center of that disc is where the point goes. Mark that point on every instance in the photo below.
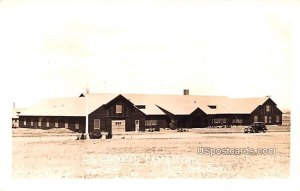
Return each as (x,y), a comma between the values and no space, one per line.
(166,154)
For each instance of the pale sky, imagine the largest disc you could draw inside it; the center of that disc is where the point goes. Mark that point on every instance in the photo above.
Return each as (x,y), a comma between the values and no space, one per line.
(230,48)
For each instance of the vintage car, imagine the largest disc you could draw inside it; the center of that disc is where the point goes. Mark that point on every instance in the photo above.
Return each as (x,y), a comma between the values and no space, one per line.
(256,127)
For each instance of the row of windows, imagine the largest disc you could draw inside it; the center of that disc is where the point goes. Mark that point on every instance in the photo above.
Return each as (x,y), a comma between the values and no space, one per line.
(150,122)
(237,121)
(268,119)
(118,110)
(224,120)
(268,109)
(219,120)
(48,124)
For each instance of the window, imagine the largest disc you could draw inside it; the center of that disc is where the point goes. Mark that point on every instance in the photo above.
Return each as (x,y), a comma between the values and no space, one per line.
(141,106)
(270,119)
(151,122)
(66,125)
(40,124)
(24,122)
(97,124)
(77,125)
(56,123)
(219,120)
(47,123)
(268,108)
(266,119)
(31,123)
(255,118)
(235,121)
(277,118)
(212,106)
(119,108)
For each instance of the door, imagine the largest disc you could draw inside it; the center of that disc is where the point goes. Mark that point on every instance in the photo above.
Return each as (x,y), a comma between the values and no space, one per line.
(137,125)
(118,126)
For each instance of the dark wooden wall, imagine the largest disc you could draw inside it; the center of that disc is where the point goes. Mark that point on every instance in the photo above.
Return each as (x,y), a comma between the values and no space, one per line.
(107,113)
(261,112)
(199,119)
(61,120)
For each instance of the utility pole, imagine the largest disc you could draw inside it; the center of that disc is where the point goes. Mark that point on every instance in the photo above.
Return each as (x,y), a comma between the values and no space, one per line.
(87,113)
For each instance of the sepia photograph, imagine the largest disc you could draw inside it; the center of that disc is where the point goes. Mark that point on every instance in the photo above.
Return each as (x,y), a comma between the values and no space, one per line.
(184,89)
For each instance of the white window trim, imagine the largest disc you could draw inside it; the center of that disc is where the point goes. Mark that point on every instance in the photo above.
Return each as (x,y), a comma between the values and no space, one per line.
(97,124)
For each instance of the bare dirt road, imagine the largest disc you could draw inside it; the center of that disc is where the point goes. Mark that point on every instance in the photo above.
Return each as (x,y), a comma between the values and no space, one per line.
(165,154)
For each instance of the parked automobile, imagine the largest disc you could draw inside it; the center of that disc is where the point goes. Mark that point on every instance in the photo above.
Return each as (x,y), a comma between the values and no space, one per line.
(256,127)
(95,135)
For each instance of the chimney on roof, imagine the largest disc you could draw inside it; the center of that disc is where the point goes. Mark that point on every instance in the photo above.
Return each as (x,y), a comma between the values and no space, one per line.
(186,92)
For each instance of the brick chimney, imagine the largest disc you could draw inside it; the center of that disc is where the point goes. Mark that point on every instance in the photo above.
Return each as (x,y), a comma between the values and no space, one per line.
(186,92)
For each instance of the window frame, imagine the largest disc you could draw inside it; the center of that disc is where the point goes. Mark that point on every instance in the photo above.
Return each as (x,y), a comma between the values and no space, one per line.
(119,109)
(56,124)
(255,117)
(77,125)
(266,119)
(270,119)
(277,118)
(98,122)
(268,109)
(150,123)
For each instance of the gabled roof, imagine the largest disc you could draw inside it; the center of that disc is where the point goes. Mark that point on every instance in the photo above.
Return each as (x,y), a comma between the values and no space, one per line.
(57,107)
(245,105)
(175,104)
(70,106)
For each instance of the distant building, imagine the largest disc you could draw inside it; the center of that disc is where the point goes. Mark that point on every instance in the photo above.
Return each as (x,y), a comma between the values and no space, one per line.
(15,116)
(137,112)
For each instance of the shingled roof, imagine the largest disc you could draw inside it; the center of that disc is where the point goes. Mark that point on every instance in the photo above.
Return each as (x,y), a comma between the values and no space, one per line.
(175,104)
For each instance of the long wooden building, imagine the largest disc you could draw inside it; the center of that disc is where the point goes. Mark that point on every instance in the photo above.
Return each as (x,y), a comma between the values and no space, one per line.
(137,112)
